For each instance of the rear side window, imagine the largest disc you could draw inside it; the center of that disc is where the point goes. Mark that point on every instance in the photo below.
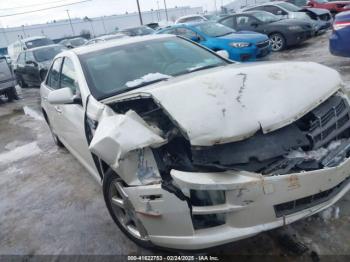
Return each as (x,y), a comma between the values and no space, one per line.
(68,76)
(53,77)
(21,58)
(228,22)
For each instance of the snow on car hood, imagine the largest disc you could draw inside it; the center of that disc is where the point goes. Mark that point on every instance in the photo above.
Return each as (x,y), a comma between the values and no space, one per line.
(229,104)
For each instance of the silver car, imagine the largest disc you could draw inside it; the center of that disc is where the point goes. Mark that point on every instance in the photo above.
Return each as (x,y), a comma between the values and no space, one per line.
(193,150)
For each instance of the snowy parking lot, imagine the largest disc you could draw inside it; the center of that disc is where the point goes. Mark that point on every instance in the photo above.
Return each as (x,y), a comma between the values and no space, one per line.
(51,205)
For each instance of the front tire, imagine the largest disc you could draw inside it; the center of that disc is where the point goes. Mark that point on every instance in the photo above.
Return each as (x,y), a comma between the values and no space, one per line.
(278,42)
(121,210)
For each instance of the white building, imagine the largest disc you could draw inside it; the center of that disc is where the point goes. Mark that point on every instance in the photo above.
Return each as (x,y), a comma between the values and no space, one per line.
(96,26)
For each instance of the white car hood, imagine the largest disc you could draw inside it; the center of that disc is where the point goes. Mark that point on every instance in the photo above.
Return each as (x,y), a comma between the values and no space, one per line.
(232,103)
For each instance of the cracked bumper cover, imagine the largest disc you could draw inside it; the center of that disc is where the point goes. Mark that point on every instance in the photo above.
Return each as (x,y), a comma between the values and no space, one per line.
(250,204)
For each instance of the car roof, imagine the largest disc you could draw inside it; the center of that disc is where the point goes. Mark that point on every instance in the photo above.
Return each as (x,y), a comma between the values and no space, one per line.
(33,38)
(119,42)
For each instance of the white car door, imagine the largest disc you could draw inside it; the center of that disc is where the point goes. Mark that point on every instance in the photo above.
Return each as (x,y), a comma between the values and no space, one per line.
(51,83)
(71,118)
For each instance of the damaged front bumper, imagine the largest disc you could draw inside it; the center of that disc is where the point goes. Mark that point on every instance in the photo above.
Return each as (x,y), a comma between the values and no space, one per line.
(252,204)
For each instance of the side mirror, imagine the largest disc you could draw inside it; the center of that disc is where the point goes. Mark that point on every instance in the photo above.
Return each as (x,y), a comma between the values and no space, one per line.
(223,53)
(195,39)
(32,63)
(63,96)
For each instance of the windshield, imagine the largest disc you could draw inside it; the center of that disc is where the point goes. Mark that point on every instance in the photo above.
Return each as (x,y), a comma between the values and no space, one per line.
(266,17)
(38,42)
(47,54)
(121,68)
(78,41)
(138,31)
(289,7)
(214,29)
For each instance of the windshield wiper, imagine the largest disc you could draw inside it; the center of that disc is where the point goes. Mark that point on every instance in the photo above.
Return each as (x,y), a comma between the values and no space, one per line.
(146,83)
(191,70)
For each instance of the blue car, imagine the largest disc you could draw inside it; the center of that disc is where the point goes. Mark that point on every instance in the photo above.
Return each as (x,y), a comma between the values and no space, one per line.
(339,42)
(241,46)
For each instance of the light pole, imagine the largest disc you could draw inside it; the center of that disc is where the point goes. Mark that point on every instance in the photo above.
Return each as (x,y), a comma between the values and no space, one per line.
(140,15)
(166,11)
(70,21)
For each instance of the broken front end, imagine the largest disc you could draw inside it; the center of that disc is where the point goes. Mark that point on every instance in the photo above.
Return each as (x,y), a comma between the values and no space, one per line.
(193,197)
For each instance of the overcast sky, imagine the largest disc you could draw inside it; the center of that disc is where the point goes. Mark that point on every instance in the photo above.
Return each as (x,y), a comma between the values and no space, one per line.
(91,8)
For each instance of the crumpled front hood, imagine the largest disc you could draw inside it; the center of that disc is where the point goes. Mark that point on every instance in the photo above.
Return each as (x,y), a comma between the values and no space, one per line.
(232,103)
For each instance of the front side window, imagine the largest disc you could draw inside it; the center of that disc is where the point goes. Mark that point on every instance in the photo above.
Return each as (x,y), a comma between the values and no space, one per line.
(30,57)
(266,17)
(119,69)
(68,75)
(214,29)
(186,33)
(53,78)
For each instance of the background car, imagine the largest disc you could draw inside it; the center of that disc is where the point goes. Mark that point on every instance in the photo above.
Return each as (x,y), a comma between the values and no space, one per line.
(334,7)
(105,38)
(339,42)
(191,19)
(241,46)
(138,31)
(318,19)
(282,32)
(74,42)
(20,45)
(32,65)
(7,80)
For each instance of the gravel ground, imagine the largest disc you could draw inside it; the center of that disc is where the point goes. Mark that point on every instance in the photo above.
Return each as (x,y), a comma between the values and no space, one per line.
(51,206)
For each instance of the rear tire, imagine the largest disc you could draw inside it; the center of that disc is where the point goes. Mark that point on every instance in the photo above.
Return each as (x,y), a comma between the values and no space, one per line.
(21,83)
(278,42)
(11,94)
(123,212)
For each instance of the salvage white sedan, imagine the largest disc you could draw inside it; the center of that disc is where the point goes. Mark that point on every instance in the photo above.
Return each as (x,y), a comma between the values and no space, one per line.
(193,150)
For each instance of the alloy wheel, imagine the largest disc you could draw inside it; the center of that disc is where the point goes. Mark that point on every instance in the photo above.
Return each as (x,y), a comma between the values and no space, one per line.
(277,42)
(124,211)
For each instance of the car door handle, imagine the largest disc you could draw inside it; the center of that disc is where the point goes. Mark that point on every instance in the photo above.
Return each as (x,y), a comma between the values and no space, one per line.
(58,109)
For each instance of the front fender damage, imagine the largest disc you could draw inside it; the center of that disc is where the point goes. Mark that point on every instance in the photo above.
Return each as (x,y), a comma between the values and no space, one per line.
(117,135)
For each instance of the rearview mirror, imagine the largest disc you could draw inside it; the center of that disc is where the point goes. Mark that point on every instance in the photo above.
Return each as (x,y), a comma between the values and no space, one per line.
(63,96)
(223,53)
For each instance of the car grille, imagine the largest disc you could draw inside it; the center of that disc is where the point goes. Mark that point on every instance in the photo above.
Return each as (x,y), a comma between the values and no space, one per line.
(263,44)
(294,206)
(330,120)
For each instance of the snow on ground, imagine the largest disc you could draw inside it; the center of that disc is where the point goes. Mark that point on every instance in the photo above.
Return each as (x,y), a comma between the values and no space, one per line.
(32,113)
(20,153)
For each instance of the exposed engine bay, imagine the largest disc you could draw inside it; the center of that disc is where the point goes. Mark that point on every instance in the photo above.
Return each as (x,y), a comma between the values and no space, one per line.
(319,139)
